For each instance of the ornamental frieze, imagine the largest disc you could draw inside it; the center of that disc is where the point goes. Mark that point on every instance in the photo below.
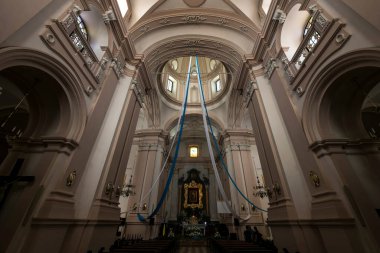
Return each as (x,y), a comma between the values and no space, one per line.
(194,19)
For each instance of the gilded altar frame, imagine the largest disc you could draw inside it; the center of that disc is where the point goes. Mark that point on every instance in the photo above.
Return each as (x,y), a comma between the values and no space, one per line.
(193,190)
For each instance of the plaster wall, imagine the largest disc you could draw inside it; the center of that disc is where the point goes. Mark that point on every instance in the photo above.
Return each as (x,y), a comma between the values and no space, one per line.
(28,35)
(9,7)
(98,156)
(292,170)
(362,34)
(240,42)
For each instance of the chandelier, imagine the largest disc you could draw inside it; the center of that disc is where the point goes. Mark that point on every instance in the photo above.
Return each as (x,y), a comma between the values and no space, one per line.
(261,190)
(127,189)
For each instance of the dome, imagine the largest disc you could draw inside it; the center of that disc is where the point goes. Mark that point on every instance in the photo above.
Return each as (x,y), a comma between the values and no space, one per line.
(174,75)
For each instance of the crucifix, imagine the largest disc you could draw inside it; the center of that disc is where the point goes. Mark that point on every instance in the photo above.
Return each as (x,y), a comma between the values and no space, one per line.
(6,182)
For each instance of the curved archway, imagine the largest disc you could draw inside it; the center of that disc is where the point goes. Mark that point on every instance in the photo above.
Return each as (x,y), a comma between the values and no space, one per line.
(54,119)
(335,122)
(339,93)
(60,88)
(172,122)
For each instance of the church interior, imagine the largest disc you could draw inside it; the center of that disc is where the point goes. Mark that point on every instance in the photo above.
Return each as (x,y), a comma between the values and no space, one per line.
(189,126)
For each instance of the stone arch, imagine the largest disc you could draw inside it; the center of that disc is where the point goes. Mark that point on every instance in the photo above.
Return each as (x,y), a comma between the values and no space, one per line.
(50,134)
(230,55)
(337,93)
(70,99)
(172,122)
(333,124)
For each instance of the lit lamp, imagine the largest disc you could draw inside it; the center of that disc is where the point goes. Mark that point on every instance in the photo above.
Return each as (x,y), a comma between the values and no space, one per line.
(128,189)
(261,190)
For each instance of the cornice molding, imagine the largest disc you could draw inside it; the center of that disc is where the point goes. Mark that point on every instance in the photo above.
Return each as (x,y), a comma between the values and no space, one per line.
(215,17)
(345,146)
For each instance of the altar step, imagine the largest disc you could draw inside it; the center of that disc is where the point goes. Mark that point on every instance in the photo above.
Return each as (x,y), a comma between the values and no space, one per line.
(193,246)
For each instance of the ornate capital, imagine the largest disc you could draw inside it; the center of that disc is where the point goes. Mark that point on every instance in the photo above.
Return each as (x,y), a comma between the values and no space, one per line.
(269,67)
(248,92)
(139,91)
(108,16)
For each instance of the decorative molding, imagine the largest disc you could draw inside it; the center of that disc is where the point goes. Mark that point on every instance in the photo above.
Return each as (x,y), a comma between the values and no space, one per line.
(164,21)
(193,43)
(249,89)
(279,15)
(341,37)
(217,45)
(54,144)
(67,22)
(170,44)
(244,28)
(101,72)
(299,91)
(144,29)
(195,16)
(139,91)
(222,21)
(312,9)
(270,67)
(345,146)
(322,21)
(287,67)
(194,19)
(50,38)
(109,16)
(118,66)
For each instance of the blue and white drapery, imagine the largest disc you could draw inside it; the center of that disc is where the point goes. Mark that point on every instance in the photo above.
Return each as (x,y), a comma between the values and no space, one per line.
(172,167)
(207,127)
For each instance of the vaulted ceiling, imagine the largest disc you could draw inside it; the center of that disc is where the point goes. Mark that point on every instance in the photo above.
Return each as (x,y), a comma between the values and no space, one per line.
(228,31)
(247,9)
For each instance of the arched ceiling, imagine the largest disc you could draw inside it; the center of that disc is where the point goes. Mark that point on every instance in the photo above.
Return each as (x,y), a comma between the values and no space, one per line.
(246,9)
(225,30)
(176,70)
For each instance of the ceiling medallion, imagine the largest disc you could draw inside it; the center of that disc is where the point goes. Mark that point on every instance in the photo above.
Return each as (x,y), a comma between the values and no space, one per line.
(194,3)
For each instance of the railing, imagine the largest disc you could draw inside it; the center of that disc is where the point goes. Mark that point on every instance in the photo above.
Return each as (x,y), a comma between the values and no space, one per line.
(312,38)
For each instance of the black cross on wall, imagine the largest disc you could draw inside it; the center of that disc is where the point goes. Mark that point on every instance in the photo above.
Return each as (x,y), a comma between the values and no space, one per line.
(6,182)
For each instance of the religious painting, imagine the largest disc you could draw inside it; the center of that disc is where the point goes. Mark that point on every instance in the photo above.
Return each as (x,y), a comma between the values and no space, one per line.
(193,195)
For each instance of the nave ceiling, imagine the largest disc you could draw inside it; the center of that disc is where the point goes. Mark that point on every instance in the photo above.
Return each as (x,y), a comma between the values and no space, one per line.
(228,31)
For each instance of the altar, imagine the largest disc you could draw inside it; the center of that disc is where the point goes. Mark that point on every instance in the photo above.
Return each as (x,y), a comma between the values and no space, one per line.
(194,230)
